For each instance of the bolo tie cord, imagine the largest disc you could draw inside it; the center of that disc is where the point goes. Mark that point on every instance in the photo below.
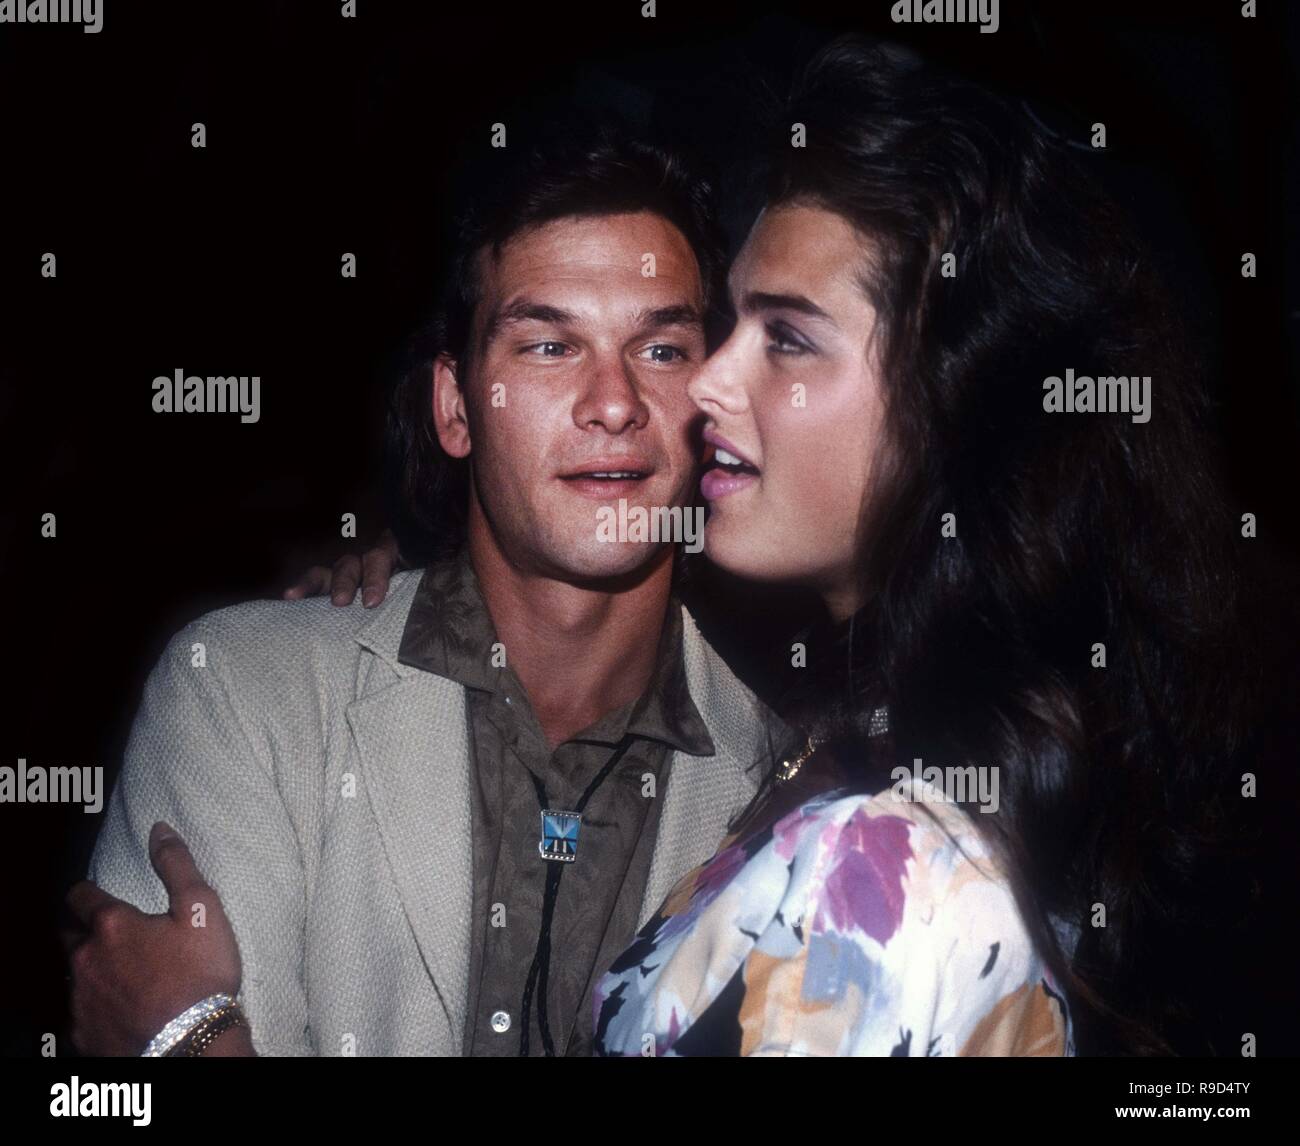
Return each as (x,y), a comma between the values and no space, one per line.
(540,969)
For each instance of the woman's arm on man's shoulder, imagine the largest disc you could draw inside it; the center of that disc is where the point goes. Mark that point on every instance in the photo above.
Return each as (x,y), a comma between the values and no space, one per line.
(371,571)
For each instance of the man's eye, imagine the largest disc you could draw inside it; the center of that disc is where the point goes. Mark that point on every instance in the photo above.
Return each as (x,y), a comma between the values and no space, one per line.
(784,340)
(548,349)
(662,353)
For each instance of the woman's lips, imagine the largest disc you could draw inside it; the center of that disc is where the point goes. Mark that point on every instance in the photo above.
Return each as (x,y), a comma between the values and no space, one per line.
(720,443)
(718,483)
(727,471)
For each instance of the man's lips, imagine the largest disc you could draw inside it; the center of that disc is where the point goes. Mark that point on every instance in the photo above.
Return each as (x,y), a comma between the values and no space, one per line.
(608,477)
(624,468)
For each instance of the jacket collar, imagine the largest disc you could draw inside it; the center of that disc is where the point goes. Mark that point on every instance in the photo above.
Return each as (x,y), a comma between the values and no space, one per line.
(449,632)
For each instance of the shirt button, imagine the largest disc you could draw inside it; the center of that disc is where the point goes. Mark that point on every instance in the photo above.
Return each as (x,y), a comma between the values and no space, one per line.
(500,1021)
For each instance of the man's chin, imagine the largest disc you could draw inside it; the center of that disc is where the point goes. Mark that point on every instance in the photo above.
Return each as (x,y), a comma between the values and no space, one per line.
(621,563)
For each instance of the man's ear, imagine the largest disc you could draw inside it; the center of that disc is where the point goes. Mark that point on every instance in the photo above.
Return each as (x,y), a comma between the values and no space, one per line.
(449,408)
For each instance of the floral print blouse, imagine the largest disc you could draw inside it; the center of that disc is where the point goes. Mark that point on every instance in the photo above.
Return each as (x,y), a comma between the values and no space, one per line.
(852,926)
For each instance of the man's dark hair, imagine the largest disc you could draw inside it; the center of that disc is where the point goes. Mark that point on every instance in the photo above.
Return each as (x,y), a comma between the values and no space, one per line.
(574,171)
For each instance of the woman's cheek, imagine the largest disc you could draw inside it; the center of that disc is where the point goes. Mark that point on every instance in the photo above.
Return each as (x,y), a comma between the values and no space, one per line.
(807,438)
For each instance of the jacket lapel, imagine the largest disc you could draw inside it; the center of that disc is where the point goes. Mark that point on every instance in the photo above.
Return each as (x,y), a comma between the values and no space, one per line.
(412,737)
(704,793)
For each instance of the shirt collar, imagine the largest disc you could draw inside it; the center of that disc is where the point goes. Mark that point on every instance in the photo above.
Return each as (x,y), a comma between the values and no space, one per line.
(449,633)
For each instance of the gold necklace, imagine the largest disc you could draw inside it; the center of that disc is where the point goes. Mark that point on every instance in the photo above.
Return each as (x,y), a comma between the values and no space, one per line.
(788,769)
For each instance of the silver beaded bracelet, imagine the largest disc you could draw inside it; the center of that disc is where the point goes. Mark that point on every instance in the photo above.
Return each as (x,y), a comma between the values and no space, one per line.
(183,1023)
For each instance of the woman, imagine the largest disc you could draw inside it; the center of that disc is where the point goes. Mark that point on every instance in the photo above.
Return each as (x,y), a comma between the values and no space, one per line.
(1040,596)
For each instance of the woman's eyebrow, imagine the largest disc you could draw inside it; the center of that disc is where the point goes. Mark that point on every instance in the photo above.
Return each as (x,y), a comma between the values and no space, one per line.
(764,300)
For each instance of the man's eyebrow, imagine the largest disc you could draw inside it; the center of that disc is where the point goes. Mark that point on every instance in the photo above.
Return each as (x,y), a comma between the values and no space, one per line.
(655,318)
(683,314)
(761,300)
(525,310)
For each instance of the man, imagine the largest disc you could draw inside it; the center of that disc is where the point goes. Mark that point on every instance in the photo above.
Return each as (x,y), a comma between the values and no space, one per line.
(431,825)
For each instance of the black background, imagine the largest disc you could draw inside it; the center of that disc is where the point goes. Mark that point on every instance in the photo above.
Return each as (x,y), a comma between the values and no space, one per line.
(328,135)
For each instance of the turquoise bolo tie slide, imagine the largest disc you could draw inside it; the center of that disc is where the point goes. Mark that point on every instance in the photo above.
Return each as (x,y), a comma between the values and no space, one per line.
(560,836)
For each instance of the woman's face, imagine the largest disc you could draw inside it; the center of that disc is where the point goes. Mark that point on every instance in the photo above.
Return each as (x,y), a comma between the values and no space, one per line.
(794,393)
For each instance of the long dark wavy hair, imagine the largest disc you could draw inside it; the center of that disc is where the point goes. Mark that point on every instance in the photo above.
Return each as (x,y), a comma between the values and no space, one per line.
(1072,530)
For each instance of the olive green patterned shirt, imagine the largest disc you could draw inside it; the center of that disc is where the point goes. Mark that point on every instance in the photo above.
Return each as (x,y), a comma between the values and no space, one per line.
(449,632)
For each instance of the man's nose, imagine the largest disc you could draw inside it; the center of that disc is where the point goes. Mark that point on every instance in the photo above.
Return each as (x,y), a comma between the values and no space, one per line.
(611,399)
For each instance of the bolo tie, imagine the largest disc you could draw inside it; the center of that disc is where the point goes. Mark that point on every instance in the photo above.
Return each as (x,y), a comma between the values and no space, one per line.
(559,846)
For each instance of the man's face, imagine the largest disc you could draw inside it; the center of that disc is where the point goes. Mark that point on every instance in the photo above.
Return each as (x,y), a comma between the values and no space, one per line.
(577,395)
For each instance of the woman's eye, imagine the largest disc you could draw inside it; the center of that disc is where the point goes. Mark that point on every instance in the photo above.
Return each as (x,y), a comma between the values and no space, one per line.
(784,340)
(663,353)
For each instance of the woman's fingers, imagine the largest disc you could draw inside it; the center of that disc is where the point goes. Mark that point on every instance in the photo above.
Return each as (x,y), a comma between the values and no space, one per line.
(377,568)
(344,579)
(311,584)
(371,573)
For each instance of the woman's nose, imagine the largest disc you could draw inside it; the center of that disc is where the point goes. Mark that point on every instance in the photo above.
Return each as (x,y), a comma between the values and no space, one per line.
(718,384)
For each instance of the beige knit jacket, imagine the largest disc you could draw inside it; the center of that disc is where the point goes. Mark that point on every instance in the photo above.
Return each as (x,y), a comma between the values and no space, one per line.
(323,789)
